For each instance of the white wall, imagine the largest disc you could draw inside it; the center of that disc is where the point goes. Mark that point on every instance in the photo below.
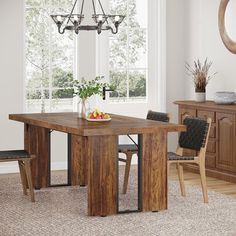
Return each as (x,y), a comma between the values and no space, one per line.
(204,40)
(11,72)
(11,84)
(175,60)
(192,33)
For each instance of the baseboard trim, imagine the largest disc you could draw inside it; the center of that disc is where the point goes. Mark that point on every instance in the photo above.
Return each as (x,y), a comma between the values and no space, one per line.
(7,168)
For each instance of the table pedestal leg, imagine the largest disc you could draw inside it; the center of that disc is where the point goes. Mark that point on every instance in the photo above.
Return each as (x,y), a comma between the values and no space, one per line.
(79,160)
(154,171)
(102,175)
(37,141)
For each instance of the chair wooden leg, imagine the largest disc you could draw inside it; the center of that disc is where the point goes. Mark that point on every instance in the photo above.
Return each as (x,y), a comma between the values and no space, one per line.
(29,179)
(23,176)
(127,170)
(203,182)
(168,168)
(181,178)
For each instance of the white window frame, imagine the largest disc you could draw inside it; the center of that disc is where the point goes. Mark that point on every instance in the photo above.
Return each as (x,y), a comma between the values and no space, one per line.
(156,65)
(156,56)
(50,88)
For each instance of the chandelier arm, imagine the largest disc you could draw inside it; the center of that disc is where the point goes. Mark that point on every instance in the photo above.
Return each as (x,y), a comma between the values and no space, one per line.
(112,30)
(102,10)
(99,30)
(82,8)
(59,30)
(94,9)
(71,11)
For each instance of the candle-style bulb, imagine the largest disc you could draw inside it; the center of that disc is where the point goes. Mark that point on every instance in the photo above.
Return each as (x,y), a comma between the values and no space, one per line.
(117,18)
(99,18)
(75,18)
(59,19)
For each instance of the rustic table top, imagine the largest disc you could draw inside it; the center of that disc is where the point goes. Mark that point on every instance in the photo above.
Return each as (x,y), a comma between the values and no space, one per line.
(70,123)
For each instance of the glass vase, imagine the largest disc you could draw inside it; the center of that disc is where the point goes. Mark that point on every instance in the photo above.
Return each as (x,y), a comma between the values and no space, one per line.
(83,108)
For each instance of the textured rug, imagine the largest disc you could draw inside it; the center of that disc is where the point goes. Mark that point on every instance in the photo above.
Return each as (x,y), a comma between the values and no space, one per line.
(63,211)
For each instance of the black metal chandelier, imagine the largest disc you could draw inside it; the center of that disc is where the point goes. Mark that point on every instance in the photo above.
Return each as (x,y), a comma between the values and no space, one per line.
(73,21)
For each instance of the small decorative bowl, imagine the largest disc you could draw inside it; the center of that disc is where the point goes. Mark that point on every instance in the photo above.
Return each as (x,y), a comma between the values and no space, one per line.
(225,97)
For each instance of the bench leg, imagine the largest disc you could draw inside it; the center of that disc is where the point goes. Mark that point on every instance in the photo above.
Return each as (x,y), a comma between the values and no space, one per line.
(23,177)
(29,179)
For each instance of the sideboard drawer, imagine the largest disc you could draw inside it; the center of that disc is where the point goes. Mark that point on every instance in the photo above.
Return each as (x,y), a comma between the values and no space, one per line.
(207,114)
(183,113)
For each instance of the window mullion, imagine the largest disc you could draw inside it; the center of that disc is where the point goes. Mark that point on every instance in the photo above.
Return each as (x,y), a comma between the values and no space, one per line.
(50,61)
(127,50)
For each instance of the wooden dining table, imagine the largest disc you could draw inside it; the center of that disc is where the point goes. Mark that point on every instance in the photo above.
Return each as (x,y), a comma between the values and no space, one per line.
(93,156)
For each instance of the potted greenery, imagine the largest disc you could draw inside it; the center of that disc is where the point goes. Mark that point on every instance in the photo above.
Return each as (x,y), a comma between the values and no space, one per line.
(85,89)
(200,75)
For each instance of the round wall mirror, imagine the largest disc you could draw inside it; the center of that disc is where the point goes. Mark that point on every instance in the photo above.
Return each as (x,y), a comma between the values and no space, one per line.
(226,22)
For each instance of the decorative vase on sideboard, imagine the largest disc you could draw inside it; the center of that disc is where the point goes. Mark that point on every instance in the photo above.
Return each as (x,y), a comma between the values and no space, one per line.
(200,95)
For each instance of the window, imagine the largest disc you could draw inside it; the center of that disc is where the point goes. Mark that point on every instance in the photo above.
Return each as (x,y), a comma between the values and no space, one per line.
(50,58)
(128,51)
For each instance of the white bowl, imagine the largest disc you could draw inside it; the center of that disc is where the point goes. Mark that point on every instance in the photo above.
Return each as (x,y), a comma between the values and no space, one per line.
(225,97)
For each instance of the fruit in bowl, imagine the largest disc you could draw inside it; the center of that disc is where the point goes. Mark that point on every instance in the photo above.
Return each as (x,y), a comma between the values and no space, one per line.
(98,115)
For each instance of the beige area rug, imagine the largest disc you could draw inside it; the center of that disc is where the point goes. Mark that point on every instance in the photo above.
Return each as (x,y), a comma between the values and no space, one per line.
(63,211)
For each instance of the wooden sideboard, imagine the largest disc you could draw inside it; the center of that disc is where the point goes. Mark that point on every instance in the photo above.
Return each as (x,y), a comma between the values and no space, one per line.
(221,148)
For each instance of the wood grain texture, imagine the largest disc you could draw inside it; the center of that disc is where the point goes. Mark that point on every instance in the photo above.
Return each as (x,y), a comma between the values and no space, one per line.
(95,144)
(206,114)
(102,184)
(221,150)
(211,161)
(226,152)
(213,184)
(228,42)
(24,163)
(37,141)
(154,171)
(211,146)
(79,160)
(23,176)
(213,131)
(127,169)
(69,122)
(205,106)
